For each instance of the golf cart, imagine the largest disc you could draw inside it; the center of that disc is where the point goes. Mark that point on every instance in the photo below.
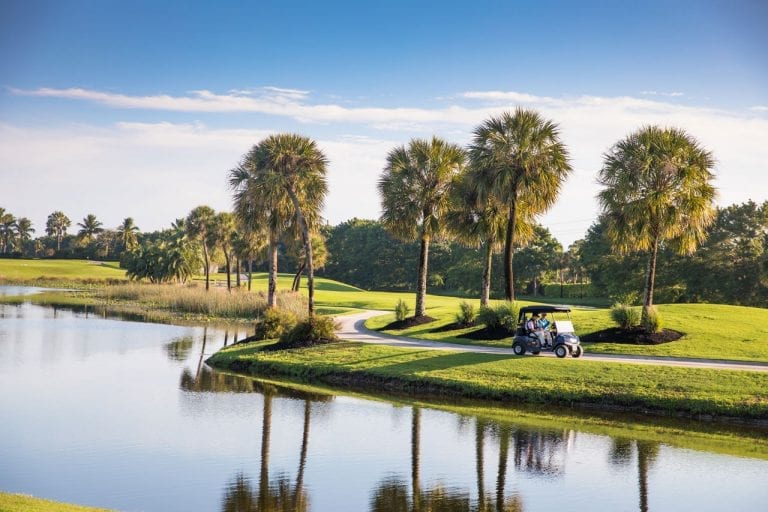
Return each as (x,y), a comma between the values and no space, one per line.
(559,339)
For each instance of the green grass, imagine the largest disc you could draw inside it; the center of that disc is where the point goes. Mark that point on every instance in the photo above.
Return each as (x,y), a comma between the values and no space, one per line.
(712,331)
(24,270)
(664,390)
(24,503)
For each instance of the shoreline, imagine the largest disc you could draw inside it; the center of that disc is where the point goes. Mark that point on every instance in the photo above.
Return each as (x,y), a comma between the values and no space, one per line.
(497,381)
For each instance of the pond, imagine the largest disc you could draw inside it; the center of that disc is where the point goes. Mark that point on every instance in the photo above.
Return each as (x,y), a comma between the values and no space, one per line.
(126,415)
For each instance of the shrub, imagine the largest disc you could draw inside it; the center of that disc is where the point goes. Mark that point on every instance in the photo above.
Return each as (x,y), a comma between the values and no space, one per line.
(466,314)
(401,310)
(500,316)
(652,319)
(319,329)
(625,316)
(273,323)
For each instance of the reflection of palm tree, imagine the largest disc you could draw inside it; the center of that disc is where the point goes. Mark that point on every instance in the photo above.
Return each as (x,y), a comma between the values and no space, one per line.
(178,349)
(479,437)
(202,352)
(646,454)
(501,480)
(299,497)
(415,449)
(266,426)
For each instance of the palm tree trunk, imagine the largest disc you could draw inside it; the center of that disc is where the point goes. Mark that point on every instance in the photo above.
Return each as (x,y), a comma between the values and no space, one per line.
(307,251)
(237,269)
(485,295)
(297,276)
(650,277)
(415,452)
(250,273)
(207,266)
(509,243)
(229,272)
(272,290)
(421,285)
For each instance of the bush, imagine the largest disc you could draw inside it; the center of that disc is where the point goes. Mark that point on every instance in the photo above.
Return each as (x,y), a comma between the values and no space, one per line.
(466,314)
(273,323)
(319,329)
(500,316)
(401,310)
(625,316)
(652,319)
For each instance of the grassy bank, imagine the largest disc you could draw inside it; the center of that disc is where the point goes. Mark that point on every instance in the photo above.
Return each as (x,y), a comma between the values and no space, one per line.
(649,389)
(23,503)
(59,273)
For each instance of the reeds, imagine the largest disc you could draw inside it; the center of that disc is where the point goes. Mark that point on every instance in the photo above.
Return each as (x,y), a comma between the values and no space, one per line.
(195,300)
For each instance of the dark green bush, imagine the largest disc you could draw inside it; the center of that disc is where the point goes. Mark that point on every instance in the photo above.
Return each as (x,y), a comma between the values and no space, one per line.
(466,314)
(624,315)
(500,316)
(273,323)
(319,329)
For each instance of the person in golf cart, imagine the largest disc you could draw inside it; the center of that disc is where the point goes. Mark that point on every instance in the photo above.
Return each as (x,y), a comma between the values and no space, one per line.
(533,328)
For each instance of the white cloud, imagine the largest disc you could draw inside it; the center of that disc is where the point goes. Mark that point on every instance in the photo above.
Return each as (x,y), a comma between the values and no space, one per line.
(656,93)
(759,108)
(185,164)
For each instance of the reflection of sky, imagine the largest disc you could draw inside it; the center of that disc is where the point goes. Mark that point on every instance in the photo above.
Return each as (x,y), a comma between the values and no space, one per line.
(91,412)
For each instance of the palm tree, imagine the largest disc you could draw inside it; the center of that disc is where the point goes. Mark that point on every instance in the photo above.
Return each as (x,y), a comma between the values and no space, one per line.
(319,257)
(56,225)
(198,225)
(249,245)
(480,222)
(127,234)
(279,182)
(658,189)
(221,234)
(414,191)
(90,227)
(522,164)
(7,230)
(24,231)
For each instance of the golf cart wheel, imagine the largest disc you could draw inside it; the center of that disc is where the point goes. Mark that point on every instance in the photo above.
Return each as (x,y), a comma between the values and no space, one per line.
(518,349)
(577,351)
(561,351)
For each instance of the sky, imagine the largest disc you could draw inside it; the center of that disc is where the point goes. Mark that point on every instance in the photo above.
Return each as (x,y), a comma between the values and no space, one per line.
(141,108)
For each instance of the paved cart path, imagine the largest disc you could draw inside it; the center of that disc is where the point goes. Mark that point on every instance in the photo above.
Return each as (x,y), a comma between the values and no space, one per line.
(353,329)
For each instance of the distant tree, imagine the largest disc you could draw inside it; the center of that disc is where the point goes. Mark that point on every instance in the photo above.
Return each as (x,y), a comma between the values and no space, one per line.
(56,226)
(523,164)
(198,225)
(90,227)
(222,234)
(127,233)
(298,254)
(249,245)
(8,229)
(537,258)
(415,195)
(24,232)
(657,189)
(281,181)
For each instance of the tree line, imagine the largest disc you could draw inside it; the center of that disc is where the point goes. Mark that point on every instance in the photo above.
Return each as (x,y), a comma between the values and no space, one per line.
(471,213)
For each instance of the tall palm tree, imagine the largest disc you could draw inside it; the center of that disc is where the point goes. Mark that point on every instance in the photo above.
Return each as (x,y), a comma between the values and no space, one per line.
(198,225)
(24,231)
(222,234)
(56,226)
(523,164)
(658,189)
(281,181)
(248,246)
(415,196)
(479,221)
(127,233)
(90,227)
(7,230)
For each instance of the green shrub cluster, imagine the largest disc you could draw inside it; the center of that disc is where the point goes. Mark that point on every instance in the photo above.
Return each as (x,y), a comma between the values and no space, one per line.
(273,323)
(318,329)
(466,314)
(652,319)
(624,315)
(401,310)
(500,316)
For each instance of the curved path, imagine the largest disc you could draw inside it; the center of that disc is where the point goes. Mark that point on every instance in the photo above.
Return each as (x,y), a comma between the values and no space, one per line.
(353,329)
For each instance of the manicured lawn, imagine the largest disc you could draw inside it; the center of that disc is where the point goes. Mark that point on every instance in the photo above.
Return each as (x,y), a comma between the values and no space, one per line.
(712,331)
(509,378)
(51,270)
(22,503)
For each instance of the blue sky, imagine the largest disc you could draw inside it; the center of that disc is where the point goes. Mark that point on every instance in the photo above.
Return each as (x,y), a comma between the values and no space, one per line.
(147,104)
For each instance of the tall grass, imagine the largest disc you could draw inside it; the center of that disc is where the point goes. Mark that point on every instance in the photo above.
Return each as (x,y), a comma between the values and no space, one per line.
(195,300)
